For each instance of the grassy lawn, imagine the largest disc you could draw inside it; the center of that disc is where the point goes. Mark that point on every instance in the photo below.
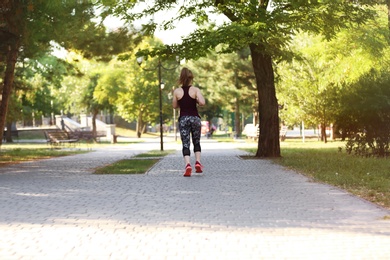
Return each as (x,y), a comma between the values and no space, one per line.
(140,164)
(128,166)
(131,133)
(154,153)
(20,152)
(26,151)
(14,153)
(368,178)
(38,134)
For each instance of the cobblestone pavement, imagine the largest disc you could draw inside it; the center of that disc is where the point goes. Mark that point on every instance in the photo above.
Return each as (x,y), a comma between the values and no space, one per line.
(236,209)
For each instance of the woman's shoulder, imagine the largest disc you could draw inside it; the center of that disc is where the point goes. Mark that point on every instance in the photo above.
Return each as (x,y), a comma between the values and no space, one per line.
(178,91)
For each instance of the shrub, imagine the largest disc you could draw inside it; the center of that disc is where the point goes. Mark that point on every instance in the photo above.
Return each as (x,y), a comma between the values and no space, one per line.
(365,116)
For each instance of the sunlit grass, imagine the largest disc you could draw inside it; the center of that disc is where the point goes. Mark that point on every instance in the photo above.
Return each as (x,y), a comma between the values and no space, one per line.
(140,164)
(128,166)
(131,133)
(154,153)
(368,178)
(20,153)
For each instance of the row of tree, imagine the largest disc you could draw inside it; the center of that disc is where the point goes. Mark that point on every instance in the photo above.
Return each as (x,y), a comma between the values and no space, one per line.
(28,31)
(344,82)
(263,29)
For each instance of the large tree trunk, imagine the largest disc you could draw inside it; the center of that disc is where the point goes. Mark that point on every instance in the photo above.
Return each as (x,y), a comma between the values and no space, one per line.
(140,125)
(388,14)
(237,121)
(323,133)
(8,136)
(8,83)
(94,130)
(269,143)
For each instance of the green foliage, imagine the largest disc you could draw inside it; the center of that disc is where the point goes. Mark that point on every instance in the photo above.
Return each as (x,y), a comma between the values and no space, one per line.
(36,80)
(132,90)
(20,154)
(310,85)
(364,115)
(74,95)
(266,27)
(225,80)
(29,29)
(265,23)
(108,84)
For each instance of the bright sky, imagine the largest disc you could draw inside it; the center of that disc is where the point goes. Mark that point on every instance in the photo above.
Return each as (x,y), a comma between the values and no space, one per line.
(168,37)
(183,28)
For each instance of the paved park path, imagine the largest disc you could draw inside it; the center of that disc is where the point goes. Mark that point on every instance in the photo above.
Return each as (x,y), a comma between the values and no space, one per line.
(237,209)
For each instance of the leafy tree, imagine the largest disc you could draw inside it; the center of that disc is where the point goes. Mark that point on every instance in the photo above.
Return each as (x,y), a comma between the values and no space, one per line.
(90,102)
(138,97)
(227,82)
(310,86)
(266,27)
(76,92)
(365,115)
(27,28)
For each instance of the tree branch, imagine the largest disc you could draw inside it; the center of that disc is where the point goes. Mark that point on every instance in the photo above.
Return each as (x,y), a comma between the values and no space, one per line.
(220,4)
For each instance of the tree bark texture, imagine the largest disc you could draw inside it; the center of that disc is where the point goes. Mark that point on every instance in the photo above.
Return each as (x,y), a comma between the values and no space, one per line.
(94,130)
(8,136)
(8,84)
(237,121)
(268,142)
(323,133)
(388,14)
(140,125)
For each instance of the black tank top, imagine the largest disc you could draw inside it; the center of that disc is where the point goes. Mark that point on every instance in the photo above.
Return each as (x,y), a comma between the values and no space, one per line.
(188,104)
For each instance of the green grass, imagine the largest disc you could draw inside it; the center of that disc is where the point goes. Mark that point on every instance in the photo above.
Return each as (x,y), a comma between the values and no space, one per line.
(20,153)
(368,178)
(154,153)
(128,166)
(131,133)
(140,164)
(39,134)
(30,135)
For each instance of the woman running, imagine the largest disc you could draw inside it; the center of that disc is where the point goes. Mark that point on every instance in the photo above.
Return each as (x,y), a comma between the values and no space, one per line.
(187,97)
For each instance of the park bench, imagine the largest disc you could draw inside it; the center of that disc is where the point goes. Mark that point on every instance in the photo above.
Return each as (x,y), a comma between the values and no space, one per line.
(252,132)
(60,137)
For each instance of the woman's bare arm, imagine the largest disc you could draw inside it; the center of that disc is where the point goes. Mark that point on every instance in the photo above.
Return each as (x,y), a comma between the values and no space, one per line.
(200,98)
(175,104)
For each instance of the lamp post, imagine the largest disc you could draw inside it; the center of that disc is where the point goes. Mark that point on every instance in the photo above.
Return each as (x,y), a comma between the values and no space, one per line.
(161,86)
(51,113)
(170,97)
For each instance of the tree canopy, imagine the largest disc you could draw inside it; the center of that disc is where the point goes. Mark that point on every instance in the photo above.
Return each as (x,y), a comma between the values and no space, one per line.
(29,28)
(266,27)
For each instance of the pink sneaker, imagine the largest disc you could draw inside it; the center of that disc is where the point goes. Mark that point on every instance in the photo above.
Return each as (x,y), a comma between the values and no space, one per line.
(188,171)
(198,167)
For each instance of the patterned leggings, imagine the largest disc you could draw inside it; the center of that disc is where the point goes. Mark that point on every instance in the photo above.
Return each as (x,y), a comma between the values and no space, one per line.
(190,125)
